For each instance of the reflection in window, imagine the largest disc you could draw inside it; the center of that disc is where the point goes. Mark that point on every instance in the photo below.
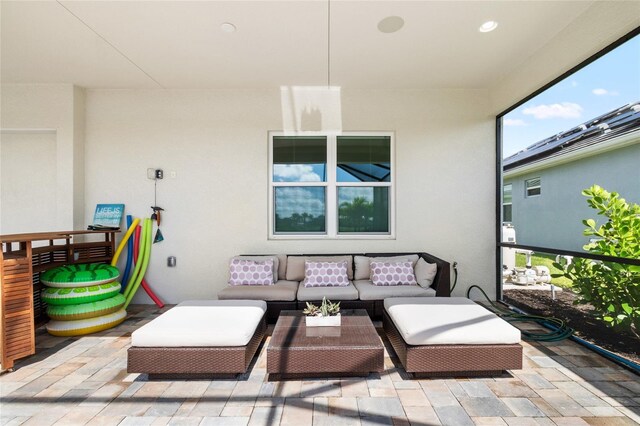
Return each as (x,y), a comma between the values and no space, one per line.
(364,159)
(532,187)
(363,209)
(299,159)
(300,209)
(507,202)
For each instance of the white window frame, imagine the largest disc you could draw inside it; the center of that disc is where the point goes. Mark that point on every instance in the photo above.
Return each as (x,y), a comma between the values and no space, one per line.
(331,191)
(527,188)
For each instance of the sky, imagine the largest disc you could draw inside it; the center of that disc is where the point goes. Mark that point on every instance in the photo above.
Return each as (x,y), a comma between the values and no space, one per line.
(610,82)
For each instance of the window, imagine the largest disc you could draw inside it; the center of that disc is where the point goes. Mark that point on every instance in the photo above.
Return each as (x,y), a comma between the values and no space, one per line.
(331,186)
(507,202)
(532,187)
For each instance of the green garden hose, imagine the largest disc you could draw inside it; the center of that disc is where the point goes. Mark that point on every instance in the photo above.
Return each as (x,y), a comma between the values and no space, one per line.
(455,276)
(558,329)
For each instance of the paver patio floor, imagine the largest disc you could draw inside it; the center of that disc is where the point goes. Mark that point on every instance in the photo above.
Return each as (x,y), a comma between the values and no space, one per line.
(75,381)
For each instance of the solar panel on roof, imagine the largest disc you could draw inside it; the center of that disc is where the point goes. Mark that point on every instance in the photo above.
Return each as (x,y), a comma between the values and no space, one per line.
(612,123)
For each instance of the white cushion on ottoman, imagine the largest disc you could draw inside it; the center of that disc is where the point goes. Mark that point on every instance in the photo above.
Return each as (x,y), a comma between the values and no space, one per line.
(203,323)
(448,321)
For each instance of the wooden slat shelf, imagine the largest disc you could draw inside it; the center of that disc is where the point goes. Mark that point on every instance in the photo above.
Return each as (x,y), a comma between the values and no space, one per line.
(20,268)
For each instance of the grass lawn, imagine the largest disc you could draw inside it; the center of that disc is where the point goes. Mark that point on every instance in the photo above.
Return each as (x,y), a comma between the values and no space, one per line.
(547,260)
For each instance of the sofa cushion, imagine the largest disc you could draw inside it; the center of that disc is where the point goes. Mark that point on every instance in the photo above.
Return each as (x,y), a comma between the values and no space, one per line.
(203,323)
(448,321)
(325,274)
(251,272)
(425,272)
(368,291)
(280,291)
(295,265)
(392,273)
(363,264)
(306,294)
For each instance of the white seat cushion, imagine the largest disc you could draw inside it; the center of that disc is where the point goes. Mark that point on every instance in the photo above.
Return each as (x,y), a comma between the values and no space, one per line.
(203,323)
(368,291)
(448,321)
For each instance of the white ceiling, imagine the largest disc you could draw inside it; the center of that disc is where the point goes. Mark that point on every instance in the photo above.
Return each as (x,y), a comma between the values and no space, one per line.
(179,44)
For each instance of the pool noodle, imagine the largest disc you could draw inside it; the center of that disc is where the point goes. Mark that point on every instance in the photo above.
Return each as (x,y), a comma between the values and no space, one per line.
(135,240)
(138,265)
(144,283)
(147,230)
(127,268)
(114,260)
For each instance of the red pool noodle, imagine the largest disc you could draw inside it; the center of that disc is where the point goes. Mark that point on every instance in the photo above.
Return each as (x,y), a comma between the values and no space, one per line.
(144,284)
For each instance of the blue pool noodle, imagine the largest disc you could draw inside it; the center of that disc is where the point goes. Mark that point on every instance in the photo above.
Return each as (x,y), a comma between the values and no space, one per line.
(127,269)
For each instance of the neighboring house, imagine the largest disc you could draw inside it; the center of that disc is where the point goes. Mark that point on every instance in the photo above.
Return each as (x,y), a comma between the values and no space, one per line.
(543,183)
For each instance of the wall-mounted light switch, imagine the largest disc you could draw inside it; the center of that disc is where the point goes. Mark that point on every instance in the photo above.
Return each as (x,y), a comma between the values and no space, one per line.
(151,173)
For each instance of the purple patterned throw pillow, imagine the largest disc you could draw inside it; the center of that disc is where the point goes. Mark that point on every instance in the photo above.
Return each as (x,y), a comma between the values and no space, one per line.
(251,272)
(392,273)
(325,274)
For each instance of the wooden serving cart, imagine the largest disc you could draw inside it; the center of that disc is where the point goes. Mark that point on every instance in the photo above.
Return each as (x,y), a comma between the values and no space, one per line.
(22,258)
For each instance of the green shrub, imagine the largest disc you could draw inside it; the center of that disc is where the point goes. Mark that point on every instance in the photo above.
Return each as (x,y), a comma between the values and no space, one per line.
(613,289)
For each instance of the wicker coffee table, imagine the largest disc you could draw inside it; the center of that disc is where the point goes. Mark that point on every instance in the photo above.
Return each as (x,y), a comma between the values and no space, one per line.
(352,349)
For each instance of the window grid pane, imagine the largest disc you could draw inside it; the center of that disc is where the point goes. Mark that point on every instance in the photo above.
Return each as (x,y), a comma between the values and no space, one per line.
(363,159)
(363,209)
(507,194)
(299,159)
(300,209)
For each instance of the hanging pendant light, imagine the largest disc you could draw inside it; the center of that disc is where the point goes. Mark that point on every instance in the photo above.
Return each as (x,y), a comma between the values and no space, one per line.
(313,108)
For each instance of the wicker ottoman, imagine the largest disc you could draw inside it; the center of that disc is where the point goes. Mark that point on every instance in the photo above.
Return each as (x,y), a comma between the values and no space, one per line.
(450,336)
(199,338)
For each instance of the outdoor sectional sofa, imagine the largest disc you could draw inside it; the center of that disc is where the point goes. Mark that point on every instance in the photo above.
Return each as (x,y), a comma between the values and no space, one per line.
(289,293)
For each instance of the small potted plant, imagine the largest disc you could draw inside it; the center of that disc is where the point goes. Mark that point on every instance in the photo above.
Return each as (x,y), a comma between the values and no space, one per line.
(326,315)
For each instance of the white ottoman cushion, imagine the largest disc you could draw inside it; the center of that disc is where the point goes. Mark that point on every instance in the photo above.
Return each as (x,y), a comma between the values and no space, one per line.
(203,323)
(448,321)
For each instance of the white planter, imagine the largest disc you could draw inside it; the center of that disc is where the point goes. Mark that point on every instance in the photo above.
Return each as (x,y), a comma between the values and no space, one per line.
(331,321)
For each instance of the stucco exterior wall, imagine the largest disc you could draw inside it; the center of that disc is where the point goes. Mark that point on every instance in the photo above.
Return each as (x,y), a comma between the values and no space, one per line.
(216,207)
(59,110)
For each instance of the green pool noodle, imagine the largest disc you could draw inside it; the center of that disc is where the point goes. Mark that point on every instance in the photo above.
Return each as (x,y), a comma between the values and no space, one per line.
(148,240)
(138,265)
(145,252)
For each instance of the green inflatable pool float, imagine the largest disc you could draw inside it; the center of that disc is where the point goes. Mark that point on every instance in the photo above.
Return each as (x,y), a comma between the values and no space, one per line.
(79,275)
(74,296)
(86,310)
(85,326)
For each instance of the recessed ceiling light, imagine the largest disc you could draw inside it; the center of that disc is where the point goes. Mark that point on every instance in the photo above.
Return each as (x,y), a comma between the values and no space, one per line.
(228,27)
(488,26)
(390,24)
